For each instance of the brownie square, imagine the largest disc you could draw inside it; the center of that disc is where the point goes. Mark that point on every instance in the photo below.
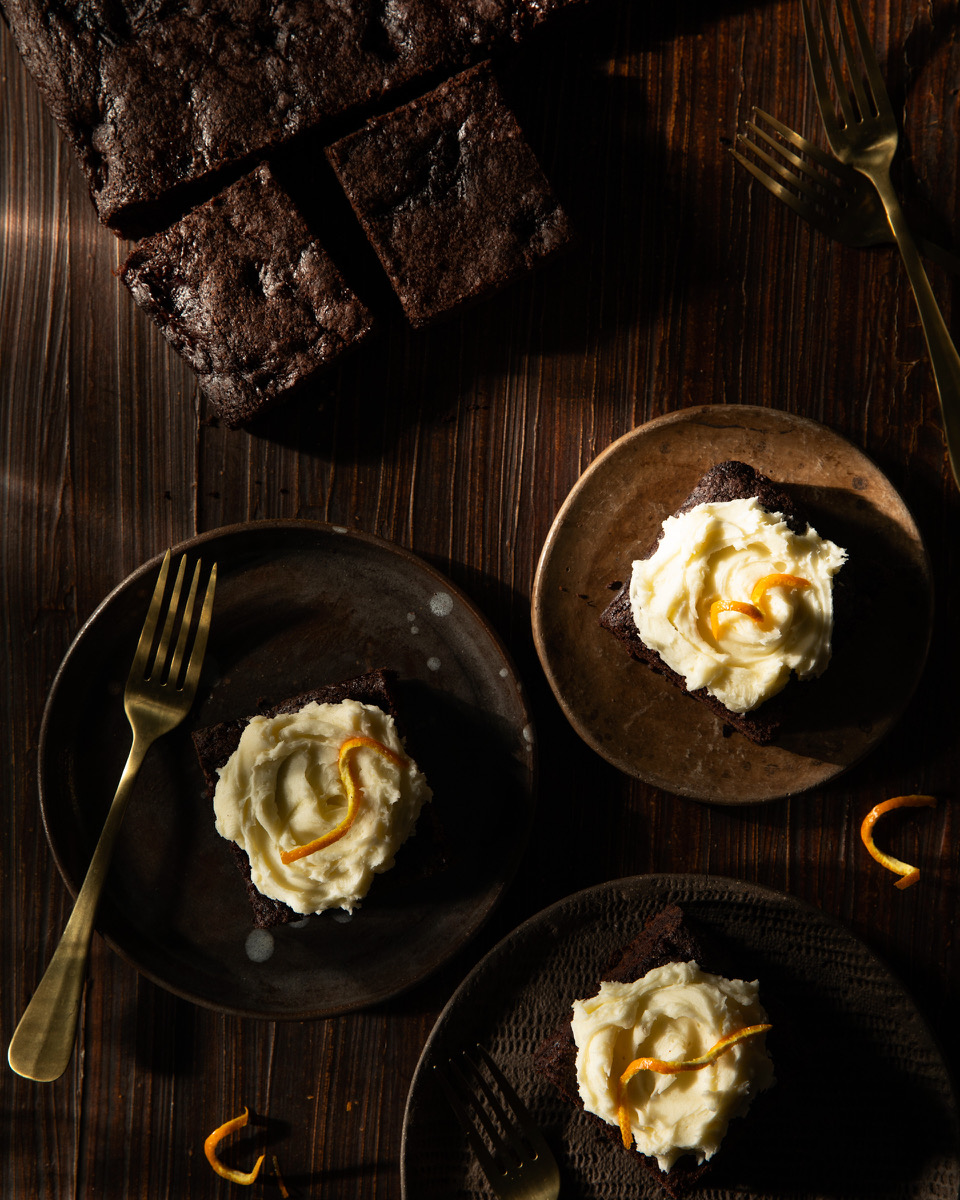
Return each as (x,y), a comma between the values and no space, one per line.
(726,481)
(154,97)
(215,744)
(665,938)
(244,291)
(450,195)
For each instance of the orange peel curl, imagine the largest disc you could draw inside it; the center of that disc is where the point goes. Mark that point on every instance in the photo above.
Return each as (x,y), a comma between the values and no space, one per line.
(351,785)
(214,1139)
(909,875)
(753,609)
(737,606)
(664,1067)
(763,585)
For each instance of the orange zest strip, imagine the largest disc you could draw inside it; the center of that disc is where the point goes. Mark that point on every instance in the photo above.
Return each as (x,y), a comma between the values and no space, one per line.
(752,610)
(909,874)
(739,606)
(210,1150)
(351,785)
(623,1120)
(763,585)
(675,1068)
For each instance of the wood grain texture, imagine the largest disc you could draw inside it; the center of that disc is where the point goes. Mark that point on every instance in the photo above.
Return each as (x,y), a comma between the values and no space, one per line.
(689,285)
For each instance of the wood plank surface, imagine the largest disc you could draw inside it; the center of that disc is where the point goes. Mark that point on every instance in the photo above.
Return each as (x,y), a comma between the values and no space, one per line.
(688,285)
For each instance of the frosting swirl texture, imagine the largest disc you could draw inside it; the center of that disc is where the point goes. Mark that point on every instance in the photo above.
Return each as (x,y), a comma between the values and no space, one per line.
(675,1012)
(719,552)
(281,788)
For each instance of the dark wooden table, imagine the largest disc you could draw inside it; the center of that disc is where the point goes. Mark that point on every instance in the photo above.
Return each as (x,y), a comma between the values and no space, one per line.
(689,286)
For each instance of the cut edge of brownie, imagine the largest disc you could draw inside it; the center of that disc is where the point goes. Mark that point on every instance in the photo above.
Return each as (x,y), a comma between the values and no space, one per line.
(301,293)
(665,938)
(390,164)
(137,155)
(729,480)
(214,745)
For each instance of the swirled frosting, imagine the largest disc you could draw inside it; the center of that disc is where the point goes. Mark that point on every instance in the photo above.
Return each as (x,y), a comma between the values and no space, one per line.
(675,1012)
(719,552)
(281,788)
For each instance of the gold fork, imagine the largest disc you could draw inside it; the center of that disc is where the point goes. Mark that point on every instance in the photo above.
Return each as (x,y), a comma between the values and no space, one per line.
(864,135)
(507,1142)
(159,692)
(826,193)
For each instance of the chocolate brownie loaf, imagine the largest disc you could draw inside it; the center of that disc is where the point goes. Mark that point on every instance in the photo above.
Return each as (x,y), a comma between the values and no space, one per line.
(726,481)
(450,195)
(155,97)
(216,743)
(244,291)
(665,938)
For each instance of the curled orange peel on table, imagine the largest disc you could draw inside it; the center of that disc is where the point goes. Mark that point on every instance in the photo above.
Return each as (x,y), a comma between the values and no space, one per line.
(210,1150)
(753,610)
(351,785)
(909,874)
(663,1067)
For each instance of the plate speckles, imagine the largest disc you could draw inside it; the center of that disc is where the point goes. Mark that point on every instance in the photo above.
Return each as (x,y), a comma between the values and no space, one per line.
(259,945)
(299,603)
(441,604)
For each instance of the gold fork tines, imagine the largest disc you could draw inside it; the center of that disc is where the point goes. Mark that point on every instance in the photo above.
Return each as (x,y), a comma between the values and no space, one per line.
(865,135)
(832,197)
(506,1141)
(159,692)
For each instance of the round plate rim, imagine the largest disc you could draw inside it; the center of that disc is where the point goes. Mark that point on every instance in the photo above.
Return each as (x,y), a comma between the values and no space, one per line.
(597,465)
(638,885)
(193,544)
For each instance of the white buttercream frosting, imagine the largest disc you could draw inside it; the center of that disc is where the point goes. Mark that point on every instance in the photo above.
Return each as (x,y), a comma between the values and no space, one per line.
(676,1012)
(281,788)
(718,552)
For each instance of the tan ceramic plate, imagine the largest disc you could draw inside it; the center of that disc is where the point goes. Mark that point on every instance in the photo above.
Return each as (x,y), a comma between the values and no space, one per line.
(651,730)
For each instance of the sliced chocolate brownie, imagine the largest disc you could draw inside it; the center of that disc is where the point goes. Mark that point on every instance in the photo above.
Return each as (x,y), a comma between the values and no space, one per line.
(244,291)
(155,97)
(665,938)
(215,744)
(450,195)
(730,480)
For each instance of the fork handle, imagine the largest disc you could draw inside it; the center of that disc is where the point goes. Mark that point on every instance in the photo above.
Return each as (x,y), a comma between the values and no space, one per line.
(943,353)
(42,1043)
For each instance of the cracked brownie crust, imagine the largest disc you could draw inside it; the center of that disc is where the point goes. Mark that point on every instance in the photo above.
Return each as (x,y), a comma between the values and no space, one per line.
(244,291)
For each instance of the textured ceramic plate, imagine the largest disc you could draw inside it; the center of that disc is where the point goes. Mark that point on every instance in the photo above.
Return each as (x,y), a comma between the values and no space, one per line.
(650,729)
(297,604)
(862,1107)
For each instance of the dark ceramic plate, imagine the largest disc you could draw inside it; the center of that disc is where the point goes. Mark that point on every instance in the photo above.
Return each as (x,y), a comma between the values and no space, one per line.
(862,1107)
(647,727)
(298,603)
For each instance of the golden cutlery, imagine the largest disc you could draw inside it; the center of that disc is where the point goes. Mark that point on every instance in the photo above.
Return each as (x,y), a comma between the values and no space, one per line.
(864,135)
(159,691)
(509,1146)
(826,193)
